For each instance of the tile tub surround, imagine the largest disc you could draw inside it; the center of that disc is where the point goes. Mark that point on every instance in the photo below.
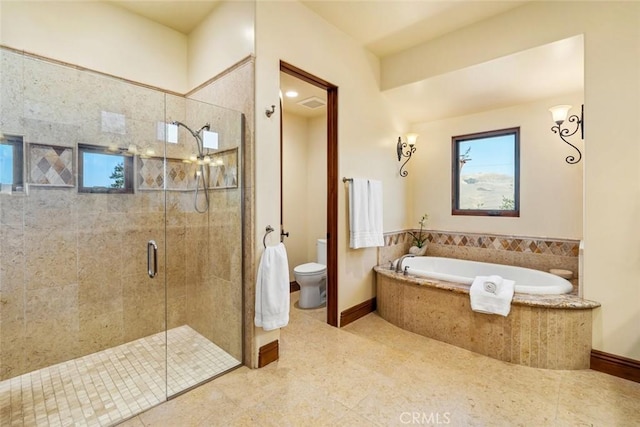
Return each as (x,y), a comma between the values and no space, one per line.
(529,252)
(541,331)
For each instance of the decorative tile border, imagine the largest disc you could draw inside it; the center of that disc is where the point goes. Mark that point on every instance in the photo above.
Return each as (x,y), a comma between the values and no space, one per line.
(559,247)
(150,174)
(180,175)
(50,165)
(223,171)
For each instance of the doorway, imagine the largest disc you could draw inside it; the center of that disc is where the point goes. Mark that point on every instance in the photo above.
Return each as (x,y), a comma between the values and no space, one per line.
(327,95)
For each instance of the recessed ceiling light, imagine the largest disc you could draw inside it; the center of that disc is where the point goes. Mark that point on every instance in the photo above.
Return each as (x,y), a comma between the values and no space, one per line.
(291,94)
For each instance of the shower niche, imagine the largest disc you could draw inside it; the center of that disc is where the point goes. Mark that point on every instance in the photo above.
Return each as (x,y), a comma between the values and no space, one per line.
(98,181)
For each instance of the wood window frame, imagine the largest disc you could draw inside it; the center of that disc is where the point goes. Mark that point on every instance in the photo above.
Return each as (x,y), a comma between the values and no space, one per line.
(128,171)
(17,145)
(455,172)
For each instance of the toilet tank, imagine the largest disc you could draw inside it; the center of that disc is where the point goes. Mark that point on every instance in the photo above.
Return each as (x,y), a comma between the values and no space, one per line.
(321,251)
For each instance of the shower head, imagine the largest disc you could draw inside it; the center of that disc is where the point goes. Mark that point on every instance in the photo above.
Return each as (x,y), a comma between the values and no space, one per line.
(194,133)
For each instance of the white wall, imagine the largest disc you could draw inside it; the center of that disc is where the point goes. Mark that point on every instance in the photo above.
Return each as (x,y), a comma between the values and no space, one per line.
(224,38)
(98,36)
(304,186)
(367,129)
(295,143)
(103,37)
(612,136)
(550,188)
(316,183)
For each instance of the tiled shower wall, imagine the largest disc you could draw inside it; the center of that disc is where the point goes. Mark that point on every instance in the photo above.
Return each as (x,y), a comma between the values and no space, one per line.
(537,253)
(73,267)
(234,89)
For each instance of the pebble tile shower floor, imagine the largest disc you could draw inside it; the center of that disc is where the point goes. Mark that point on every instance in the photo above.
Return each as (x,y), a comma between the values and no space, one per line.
(114,384)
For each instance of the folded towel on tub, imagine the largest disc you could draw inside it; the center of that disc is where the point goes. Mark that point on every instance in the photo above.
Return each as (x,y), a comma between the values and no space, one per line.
(484,301)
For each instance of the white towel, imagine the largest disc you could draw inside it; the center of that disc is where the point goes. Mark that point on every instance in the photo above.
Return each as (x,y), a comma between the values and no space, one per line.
(272,289)
(365,214)
(487,302)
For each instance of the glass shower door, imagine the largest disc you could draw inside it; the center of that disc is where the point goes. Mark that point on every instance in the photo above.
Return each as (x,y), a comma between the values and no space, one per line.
(203,242)
(81,318)
(120,244)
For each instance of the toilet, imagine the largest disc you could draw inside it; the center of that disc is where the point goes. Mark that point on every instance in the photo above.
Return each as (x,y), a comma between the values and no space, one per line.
(312,278)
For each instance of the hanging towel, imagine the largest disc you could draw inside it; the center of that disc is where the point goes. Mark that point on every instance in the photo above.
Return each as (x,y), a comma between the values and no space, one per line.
(365,214)
(484,301)
(272,289)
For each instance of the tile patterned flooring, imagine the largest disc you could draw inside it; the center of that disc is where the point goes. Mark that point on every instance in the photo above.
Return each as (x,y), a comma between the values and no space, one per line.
(371,373)
(114,384)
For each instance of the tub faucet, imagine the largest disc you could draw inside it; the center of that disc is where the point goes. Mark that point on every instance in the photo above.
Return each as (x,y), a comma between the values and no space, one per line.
(399,263)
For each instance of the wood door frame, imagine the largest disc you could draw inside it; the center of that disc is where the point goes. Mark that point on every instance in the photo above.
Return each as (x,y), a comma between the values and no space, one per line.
(332,183)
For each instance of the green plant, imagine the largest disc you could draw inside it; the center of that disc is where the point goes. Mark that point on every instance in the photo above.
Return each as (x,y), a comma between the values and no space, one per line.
(508,204)
(418,238)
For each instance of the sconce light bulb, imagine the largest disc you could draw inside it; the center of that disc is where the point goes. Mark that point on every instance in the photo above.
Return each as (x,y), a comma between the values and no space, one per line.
(206,159)
(412,138)
(193,158)
(559,113)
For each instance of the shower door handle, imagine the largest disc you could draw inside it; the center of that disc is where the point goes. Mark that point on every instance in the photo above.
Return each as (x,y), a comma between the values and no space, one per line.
(152,258)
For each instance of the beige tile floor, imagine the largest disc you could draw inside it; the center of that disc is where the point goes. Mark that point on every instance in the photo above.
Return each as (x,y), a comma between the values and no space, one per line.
(372,373)
(112,385)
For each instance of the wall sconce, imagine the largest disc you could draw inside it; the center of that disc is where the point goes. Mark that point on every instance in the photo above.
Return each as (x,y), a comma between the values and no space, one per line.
(411,144)
(559,114)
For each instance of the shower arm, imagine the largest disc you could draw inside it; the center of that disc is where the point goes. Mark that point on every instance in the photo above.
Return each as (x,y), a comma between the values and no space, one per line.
(196,135)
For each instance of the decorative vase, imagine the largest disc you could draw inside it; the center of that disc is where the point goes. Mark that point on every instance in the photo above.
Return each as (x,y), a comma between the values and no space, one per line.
(418,251)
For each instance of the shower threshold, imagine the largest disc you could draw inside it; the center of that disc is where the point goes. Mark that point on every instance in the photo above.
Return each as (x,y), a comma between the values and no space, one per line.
(114,384)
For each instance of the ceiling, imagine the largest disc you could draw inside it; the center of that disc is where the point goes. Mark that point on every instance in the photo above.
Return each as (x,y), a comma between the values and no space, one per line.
(181,15)
(387,27)
(307,94)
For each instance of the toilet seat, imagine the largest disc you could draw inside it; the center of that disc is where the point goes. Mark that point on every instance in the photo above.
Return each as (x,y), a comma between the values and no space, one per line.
(310,269)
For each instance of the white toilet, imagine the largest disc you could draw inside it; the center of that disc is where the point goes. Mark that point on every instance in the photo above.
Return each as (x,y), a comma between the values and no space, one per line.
(312,278)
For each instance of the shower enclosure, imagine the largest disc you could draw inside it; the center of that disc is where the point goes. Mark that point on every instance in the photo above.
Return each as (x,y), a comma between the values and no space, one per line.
(119,285)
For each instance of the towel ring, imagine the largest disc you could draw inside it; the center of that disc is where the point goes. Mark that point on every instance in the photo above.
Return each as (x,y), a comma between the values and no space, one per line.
(268,230)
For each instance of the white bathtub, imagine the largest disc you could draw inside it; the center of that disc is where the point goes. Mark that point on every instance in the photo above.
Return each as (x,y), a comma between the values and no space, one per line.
(526,280)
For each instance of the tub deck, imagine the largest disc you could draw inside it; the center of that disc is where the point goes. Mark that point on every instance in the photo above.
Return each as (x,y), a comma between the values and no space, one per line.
(543,331)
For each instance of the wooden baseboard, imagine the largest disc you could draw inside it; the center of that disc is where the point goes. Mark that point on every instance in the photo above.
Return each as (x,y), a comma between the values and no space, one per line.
(268,353)
(357,311)
(618,366)
(293,286)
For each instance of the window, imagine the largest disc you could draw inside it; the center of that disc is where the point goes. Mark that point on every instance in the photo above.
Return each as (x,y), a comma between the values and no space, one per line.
(11,156)
(102,171)
(485,173)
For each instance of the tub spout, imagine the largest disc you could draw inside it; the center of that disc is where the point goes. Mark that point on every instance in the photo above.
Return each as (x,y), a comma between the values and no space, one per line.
(399,262)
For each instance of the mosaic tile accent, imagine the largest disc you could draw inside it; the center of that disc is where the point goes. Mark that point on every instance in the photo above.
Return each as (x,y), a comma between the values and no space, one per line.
(150,174)
(51,165)
(490,241)
(223,171)
(114,384)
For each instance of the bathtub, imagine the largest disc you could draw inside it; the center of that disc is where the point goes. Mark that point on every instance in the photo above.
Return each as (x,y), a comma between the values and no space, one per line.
(526,280)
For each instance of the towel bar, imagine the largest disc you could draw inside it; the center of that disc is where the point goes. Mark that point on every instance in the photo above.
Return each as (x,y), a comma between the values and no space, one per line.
(268,230)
